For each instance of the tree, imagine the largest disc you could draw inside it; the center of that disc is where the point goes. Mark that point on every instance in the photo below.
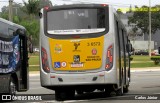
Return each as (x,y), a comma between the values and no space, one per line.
(141,19)
(31,8)
(44,3)
(32,29)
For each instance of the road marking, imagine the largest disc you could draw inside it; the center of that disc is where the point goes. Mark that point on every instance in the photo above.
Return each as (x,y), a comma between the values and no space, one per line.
(69,101)
(37,88)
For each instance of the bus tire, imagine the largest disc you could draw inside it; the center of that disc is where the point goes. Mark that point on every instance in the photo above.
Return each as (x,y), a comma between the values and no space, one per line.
(110,91)
(64,95)
(70,94)
(59,95)
(79,92)
(125,89)
(12,87)
(120,91)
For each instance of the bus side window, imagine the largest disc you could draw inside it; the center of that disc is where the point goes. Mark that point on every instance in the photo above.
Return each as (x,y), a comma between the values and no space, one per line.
(11,32)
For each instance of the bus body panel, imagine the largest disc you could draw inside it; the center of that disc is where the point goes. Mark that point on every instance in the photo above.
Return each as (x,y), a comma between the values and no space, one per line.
(73,55)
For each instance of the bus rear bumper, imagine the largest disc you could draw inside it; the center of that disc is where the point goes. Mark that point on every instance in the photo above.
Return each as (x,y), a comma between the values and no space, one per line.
(100,78)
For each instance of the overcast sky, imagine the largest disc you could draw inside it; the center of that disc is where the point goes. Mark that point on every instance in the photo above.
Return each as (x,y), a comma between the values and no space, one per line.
(117,3)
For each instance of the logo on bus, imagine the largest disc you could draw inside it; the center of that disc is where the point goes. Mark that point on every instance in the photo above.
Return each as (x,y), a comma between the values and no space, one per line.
(76,58)
(76,45)
(57,65)
(58,48)
(63,64)
(94,51)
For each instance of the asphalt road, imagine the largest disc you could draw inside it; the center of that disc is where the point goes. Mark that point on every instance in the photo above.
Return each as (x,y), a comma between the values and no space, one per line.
(143,84)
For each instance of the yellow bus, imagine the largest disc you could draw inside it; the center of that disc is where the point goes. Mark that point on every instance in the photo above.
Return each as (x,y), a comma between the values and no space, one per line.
(83,48)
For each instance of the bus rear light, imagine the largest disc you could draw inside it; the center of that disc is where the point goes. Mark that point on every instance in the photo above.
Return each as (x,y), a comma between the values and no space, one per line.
(76,36)
(53,76)
(104,5)
(45,64)
(46,8)
(109,58)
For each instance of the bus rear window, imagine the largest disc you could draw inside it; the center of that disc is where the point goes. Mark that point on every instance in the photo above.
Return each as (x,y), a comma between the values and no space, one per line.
(76,21)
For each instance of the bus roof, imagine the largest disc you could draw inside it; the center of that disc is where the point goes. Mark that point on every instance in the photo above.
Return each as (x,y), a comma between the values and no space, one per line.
(11,23)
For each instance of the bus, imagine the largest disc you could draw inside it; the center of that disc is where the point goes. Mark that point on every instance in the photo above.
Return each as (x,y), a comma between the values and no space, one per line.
(83,48)
(13,58)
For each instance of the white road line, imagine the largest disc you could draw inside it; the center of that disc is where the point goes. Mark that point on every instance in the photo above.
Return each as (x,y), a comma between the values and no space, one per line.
(37,88)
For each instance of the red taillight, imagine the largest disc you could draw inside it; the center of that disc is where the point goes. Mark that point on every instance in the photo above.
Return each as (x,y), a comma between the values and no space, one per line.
(45,64)
(103,4)
(46,8)
(76,36)
(109,58)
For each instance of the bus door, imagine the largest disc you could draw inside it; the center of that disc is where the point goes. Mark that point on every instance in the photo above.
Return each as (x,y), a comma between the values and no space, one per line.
(23,73)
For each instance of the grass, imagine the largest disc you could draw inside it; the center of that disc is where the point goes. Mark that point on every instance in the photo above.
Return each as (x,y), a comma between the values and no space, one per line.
(141,58)
(34,60)
(143,65)
(142,62)
(34,68)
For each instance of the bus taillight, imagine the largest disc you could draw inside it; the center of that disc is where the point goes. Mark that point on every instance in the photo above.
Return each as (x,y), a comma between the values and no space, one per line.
(45,64)
(109,58)
(46,8)
(103,4)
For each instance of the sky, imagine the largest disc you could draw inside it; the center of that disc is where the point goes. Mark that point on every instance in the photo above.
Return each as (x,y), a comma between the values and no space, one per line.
(116,3)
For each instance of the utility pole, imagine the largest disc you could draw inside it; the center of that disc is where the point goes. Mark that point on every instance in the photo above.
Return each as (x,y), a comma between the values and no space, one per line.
(10,10)
(149,28)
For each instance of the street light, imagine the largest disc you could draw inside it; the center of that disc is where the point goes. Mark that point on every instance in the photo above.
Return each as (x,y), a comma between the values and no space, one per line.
(149,28)
(10,10)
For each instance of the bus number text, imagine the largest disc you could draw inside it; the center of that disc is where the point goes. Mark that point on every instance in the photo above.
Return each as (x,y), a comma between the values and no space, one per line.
(93,44)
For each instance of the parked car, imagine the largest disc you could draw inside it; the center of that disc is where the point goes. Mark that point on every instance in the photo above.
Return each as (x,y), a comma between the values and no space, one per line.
(36,49)
(141,52)
(154,52)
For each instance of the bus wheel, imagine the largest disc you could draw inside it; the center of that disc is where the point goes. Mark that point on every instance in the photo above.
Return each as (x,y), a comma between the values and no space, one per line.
(120,91)
(125,89)
(12,87)
(79,92)
(110,91)
(64,95)
(70,94)
(60,95)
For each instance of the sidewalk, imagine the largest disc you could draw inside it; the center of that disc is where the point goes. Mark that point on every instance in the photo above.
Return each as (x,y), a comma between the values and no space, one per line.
(37,73)
(145,69)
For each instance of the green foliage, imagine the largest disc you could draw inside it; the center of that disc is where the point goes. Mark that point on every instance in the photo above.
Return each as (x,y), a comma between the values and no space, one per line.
(44,3)
(140,61)
(141,18)
(31,8)
(32,29)
(156,59)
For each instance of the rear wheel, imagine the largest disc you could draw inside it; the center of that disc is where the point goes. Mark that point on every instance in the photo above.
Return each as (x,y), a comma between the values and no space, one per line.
(120,91)
(110,91)
(61,95)
(125,89)
(79,92)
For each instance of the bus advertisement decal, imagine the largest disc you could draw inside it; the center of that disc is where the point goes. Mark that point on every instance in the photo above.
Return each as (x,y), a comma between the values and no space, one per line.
(76,53)
(9,54)
(58,48)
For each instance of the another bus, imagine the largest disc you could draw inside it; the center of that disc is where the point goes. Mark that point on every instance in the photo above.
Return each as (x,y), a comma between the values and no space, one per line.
(13,58)
(83,48)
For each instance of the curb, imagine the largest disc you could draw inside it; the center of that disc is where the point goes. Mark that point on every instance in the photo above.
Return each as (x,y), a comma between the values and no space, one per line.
(147,70)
